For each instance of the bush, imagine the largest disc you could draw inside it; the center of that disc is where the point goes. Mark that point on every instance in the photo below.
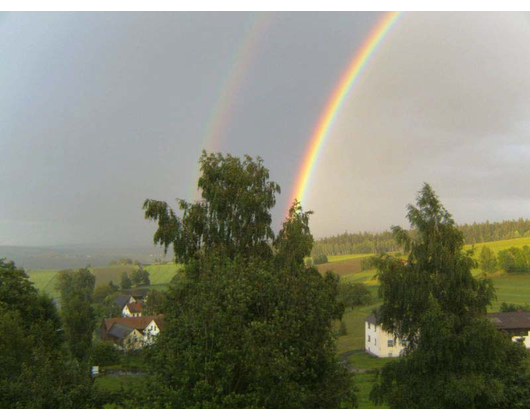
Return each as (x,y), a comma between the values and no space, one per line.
(356,294)
(105,354)
(320,259)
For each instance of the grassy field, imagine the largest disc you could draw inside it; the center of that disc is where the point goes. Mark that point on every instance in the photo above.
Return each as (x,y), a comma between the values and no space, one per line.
(160,276)
(44,280)
(336,258)
(500,245)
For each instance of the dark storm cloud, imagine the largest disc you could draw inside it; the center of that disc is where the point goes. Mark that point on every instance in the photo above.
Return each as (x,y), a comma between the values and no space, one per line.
(100,111)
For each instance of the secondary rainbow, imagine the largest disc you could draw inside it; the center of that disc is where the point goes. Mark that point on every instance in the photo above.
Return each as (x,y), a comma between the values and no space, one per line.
(333,106)
(223,110)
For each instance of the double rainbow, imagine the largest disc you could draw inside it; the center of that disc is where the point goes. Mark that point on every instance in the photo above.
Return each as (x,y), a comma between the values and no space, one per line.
(334,105)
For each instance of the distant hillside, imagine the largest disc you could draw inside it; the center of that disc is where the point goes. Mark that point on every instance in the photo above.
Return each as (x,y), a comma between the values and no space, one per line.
(60,258)
(370,243)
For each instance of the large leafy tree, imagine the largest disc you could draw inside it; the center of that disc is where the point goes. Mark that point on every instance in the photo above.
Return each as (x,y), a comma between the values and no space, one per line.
(77,312)
(34,370)
(437,267)
(455,356)
(247,324)
(233,216)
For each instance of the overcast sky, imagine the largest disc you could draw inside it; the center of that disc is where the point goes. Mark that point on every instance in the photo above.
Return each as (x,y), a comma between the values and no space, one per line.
(100,111)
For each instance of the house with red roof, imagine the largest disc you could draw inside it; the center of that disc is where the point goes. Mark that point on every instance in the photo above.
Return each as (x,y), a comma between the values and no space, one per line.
(132,310)
(132,332)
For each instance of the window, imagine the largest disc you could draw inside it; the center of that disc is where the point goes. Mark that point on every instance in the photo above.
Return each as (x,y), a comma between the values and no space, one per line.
(375,341)
(389,354)
(368,338)
(390,343)
(369,326)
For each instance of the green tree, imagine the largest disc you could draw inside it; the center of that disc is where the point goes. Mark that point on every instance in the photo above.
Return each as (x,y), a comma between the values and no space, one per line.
(320,259)
(233,215)
(487,260)
(34,371)
(455,357)
(354,294)
(155,303)
(140,277)
(512,307)
(247,324)
(125,281)
(77,288)
(514,260)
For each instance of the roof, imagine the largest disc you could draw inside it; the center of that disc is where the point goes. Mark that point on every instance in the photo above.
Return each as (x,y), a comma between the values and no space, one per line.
(510,320)
(120,331)
(371,319)
(136,323)
(122,300)
(135,307)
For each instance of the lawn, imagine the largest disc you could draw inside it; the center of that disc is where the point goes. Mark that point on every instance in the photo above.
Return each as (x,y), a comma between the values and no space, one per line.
(511,288)
(366,361)
(162,274)
(44,280)
(354,320)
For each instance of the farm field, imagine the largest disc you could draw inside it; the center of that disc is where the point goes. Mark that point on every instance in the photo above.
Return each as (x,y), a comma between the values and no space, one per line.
(500,245)
(336,258)
(160,275)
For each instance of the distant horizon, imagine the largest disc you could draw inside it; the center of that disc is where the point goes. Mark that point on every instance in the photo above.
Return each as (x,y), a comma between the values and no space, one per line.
(117,246)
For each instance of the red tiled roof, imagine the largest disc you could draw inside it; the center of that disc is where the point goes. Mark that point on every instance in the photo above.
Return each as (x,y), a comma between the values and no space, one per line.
(138,323)
(135,307)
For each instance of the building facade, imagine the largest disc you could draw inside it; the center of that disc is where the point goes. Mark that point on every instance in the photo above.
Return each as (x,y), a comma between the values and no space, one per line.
(380,343)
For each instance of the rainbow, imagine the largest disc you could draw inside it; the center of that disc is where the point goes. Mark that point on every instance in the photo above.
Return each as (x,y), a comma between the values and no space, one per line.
(335,102)
(223,110)
(241,62)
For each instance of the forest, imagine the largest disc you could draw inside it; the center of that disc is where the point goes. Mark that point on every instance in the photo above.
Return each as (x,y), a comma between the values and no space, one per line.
(373,243)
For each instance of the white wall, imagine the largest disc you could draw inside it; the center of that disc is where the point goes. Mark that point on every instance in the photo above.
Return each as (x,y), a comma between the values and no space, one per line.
(379,343)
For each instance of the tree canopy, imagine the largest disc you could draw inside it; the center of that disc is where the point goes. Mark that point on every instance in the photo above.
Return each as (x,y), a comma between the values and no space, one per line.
(247,324)
(233,215)
(455,357)
(34,370)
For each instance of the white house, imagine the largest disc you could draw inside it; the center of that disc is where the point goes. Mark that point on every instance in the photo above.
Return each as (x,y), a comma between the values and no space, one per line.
(132,310)
(380,343)
(132,332)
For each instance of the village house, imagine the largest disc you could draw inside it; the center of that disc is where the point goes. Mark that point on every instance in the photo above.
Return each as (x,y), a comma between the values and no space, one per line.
(123,300)
(515,324)
(380,343)
(132,310)
(131,303)
(132,332)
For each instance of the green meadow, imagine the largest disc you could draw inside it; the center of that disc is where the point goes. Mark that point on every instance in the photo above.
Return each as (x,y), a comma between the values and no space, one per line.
(160,276)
